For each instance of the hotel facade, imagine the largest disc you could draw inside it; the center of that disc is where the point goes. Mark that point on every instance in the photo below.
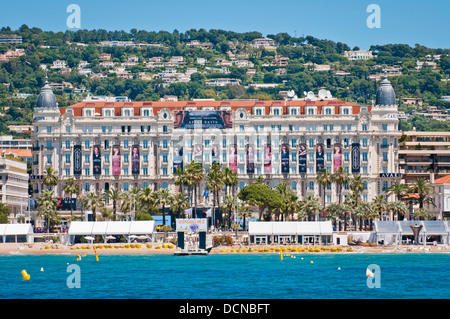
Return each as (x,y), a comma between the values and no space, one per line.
(122,145)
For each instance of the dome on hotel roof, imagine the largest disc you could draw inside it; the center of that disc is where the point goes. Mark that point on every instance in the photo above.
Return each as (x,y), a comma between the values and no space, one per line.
(46,98)
(385,93)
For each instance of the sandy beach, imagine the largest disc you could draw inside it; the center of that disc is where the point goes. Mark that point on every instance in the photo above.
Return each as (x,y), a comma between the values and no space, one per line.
(157,248)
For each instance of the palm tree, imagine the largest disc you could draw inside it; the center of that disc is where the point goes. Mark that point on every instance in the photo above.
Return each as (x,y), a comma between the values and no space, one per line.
(311,205)
(244,213)
(148,199)
(70,187)
(230,179)
(178,178)
(215,182)
(423,214)
(94,202)
(115,195)
(289,199)
(398,189)
(380,204)
(362,212)
(179,203)
(164,200)
(356,186)
(47,208)
(50,177)
(340,177)
(423,189)
(227,205)
(324,178)
(397,208)
(334,212)
(195,173)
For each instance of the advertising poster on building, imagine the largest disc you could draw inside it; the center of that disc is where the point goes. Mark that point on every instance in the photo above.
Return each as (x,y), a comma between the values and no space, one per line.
(77,160)
(202,119)
(97,160)
(250,159)
(198,153)
(135,160)
(337,157)
(356,153)
(177,158)
(215,154)
(116,160)
(268,159)
(285,158)
(319,158)
(302,152)
(232,157)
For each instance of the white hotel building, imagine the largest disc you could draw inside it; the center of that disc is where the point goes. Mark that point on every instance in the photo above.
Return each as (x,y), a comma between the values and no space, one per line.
(365,136)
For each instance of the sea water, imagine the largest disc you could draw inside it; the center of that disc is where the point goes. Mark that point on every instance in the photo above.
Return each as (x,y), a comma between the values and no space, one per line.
(226,276)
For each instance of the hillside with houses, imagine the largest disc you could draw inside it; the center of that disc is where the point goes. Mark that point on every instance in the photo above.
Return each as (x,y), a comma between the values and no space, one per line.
(215,64)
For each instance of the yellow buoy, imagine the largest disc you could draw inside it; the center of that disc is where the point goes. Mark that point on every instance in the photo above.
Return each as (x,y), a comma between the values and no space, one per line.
(25,275)
(312,262)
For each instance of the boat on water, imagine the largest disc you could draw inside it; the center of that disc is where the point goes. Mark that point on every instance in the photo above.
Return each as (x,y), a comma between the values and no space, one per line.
(188,252)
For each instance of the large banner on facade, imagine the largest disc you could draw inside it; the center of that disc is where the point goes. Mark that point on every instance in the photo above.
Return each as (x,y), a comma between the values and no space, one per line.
(250,159)
(215,154)
(302,152)
(198,153)
(356,153)
(116,160)
(135,160)
(285,158)
(97,160)
(202,119)
(319,158)
(268,159)
(77,160)
(177,158)
(337,157)
(232,158)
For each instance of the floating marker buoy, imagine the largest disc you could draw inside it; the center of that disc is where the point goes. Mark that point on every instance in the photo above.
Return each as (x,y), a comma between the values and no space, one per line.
(302,258)
(42,269)
(281,256)
(25,275)
(312,262)
(339,268)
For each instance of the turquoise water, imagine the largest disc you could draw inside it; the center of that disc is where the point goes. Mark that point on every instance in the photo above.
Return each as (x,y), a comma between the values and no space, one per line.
(227,276)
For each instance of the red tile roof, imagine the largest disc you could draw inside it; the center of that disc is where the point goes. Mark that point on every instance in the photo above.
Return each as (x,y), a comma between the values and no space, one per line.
(442,180)
(180,105)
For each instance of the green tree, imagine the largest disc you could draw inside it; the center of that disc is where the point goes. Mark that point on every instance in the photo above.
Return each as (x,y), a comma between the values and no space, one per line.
(47,208)
(94,202)
(195,173)
(324,178)
(70,187)
(215,182)
(4,213)
(261,196)
(164,199)
(50,177)
(311,205)
(423,189)
(114,195)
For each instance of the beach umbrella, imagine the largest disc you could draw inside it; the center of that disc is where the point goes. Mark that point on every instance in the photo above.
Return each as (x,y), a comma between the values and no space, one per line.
(89,238)
(110,237)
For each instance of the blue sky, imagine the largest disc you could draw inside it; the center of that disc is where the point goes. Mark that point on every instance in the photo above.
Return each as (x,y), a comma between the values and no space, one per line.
(409,22)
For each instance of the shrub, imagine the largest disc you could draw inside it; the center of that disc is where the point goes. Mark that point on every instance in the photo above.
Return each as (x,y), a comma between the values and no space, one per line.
(225,240)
